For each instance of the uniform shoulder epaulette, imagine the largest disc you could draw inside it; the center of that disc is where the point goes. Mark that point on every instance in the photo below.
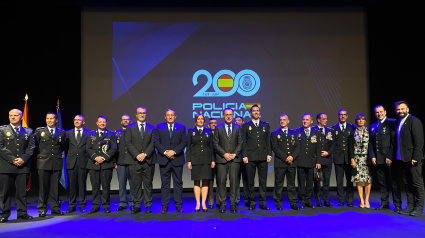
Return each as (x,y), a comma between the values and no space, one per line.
(266,122)
(3,126)
(40,128)
(61,129)
(330,128)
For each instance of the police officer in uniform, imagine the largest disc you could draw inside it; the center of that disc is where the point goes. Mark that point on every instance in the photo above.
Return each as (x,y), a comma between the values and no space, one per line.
(327,146)
(17,145)
(256,152)
(342,160)
(101,146)
(122,166)
(285,146)
(308,158)
(50,142)
(382,136)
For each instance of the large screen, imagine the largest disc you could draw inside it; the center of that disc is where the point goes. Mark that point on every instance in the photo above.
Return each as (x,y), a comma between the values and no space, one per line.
(201,61)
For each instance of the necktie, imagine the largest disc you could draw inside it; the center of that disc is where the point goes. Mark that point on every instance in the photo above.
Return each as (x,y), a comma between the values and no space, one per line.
(17,130)
(171,131)
(101,134)
(51,131)
(142,130)
(256,124)
(321,131)
(200,131)
(78,136)
(286,132)
(343,128)
(229,132)
(307,133)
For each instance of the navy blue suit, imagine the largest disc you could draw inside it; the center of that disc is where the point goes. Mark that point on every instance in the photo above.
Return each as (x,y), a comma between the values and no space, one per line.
(167,167)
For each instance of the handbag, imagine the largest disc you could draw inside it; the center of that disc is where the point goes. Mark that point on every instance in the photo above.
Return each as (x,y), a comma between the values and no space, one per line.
(318,174)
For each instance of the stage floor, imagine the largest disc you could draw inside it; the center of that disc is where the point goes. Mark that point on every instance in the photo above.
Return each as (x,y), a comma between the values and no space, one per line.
(319,222)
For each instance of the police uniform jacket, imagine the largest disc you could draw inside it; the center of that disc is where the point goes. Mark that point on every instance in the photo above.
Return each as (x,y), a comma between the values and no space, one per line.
(309,154)
(381,138)
(15,146)
(326,143)
(50,148)
(341,143)
(104,146)
(200,148)
(284,146)
(256,141)
(123,156)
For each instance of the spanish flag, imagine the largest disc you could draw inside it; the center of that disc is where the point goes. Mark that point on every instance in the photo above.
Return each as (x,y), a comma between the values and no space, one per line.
(248,105)
(225,83)
(25,124)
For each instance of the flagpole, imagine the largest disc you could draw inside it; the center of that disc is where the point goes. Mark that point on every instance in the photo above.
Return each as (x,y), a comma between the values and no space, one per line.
(25,123)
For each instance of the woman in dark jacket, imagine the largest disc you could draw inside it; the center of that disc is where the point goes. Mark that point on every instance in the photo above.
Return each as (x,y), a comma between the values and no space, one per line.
(358,145)
(200,158)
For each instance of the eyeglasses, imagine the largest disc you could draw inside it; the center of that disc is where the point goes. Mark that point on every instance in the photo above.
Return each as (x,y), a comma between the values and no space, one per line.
(342,115)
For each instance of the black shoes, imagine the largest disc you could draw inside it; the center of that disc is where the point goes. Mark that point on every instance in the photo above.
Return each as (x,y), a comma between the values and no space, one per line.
(416,212)
(310,205)
(148,210)
(164,210)
(233,209)
(295,207)
(121,209)
(340,204)
(407,210)
(197,210)
(179,209)
(94,211)
(136,210)
(4,220)
(71,210)
(204,210)
(42,214)
(279,208)
(319,204)
(264,207)
(251,208)
(350,204)
(25,217)
(222,210)
(83,209)
(58,213)
(107,211)
(383,207)
(131,208)
(327,204)
(397,209)
(211,206)
(301,206)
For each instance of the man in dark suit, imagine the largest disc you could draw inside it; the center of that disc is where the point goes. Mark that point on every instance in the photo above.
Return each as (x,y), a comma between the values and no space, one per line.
(212,123)
(408,156)
(228,145)
(309,157)
(382,137)
(123,166)
(17,145)
(327,146)
(342,160)
(101,146)
(170,140)
(50,142)
(242,174)
(257,152)
(139,140)
(285,146)
(76,162)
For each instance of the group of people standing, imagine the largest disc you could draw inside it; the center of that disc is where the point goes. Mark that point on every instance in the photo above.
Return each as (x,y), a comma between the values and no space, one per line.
(232,150)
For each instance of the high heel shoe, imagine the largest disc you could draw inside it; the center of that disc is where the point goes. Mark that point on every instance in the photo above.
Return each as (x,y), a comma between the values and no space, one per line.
(197,210)
(362,205)
(367,206)
(204,210)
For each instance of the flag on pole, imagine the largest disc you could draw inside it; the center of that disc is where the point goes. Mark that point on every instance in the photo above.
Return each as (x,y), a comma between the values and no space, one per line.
(26,124)
(64,179)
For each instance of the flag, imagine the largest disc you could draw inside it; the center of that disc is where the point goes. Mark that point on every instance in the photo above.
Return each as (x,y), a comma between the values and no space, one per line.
(26,124)
(64,179)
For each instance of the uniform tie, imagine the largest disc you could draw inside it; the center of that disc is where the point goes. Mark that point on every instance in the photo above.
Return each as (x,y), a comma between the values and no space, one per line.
(200,131)
(51,131)
(321,131)
(307,133)
(17,130)
(343,128)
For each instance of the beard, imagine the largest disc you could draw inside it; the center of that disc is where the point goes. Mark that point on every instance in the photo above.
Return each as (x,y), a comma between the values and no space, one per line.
(402,115)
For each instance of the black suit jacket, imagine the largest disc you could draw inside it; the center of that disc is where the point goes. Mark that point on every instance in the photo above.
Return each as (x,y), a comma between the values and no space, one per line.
(76,151)
(105,146)
(223,145)
(15,146)
(200,147)
(177,143)
(256,141)
(50,148)
(381,138)
(341,155)
(284,146)
(326,143)
(411,140)
(309,154)
(136,145)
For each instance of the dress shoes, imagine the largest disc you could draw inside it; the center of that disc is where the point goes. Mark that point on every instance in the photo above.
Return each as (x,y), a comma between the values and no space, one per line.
(407,210)
(25,217)
(295,207)
(83,209)
(417,212)
(211,206)
(136,210)
(382,207)
(350,204)
(4,220)
(179,209)
(279,208)
(327,204)
(131,208)
(106,210)
(71,210)
(302,206)
(58,213)
(93,211)
(148,210)
(233,209)
(309,205)
(397,209)
(340,204)
(264,207)
(222,210)
(319,205)
(42,214)
(251,208)
(164,210)
(121,209)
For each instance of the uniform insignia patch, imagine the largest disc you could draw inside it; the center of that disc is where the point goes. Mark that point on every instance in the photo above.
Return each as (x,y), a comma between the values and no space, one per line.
(8,133)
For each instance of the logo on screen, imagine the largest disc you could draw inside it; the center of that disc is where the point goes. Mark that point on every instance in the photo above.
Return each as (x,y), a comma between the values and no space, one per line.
(226,83)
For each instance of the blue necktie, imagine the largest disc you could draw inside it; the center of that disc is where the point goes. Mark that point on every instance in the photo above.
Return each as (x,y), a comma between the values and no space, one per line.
(142,130)
(171,131)
(17,130)
(51,131)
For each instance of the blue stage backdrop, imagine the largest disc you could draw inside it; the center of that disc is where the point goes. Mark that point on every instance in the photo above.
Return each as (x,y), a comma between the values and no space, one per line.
(288,62)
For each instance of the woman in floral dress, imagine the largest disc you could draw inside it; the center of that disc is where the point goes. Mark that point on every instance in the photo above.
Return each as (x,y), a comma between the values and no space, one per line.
(359,144)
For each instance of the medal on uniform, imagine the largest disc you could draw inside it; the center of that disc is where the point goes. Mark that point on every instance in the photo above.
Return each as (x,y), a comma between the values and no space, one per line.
(206,134)
(329,136)
(384,129)
(292,137)
(278,136)
(193,133)
(8,133)
(105,148)
(26,136)
(42,133)
(60,139)
(336,132)
(249,128)
(313,139)
(264,129)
